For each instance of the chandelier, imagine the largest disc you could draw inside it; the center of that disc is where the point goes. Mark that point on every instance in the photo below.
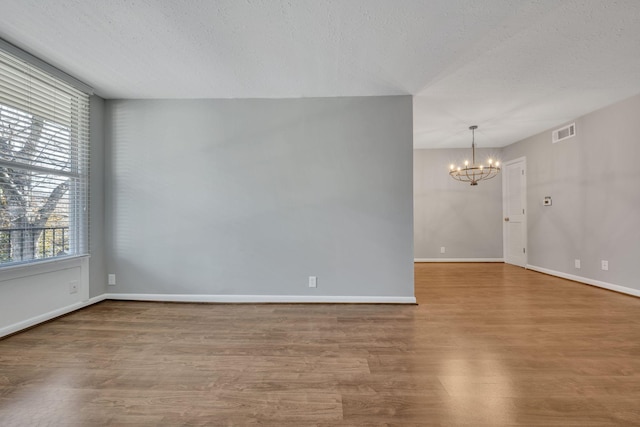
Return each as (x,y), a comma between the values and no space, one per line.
(473,173)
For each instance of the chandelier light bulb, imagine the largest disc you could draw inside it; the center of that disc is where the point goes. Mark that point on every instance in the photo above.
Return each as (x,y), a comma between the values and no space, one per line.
(490,161)
(451,167)
(466,162)
(497,164)
(459,169)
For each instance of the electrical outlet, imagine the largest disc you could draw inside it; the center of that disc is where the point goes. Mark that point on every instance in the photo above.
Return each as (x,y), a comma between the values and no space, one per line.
(112,279)
(313,282)
(442,249)
(605,265)
(577,263)
(73,287)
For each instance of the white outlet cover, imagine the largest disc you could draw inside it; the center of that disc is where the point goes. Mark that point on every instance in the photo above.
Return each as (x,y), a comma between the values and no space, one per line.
(442,249)
(577,263)
(605,265)
(313,282)
(112,279)
(73,287)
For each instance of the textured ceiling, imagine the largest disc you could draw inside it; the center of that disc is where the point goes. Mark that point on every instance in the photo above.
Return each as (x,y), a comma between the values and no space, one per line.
(515,68)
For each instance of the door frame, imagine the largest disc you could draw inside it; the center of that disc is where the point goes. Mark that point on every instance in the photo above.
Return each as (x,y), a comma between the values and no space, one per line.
(523,160)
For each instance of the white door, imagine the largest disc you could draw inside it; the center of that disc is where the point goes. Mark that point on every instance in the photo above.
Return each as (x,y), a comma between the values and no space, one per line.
(514,197)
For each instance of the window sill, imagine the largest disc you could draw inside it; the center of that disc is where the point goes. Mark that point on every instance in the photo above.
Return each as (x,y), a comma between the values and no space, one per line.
(17,271)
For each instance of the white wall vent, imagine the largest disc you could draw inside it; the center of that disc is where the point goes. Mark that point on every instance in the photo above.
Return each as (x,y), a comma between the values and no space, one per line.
(563,133)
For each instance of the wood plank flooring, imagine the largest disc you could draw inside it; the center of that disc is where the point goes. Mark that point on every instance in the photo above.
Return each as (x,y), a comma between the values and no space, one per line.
(489,344)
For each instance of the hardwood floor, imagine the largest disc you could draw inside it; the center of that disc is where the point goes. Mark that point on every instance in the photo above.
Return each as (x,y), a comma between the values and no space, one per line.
(489,344)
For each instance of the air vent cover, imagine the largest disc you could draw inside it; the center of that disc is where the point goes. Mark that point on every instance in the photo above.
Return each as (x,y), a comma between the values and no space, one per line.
(563,133)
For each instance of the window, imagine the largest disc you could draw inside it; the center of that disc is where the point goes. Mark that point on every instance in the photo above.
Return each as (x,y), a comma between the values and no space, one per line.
(44,165)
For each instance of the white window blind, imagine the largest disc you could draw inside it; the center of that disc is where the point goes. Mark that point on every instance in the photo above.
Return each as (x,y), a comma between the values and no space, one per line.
(44,165)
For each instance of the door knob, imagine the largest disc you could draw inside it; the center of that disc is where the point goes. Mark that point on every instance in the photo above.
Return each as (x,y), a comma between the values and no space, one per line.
(506,219)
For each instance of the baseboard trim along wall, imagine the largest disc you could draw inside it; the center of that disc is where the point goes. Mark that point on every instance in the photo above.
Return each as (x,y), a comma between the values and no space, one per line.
(458,260)
(263,298)
(17,327)
(592,282)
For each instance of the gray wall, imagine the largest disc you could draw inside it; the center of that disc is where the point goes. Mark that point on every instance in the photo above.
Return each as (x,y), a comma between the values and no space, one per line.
(593,179)
(253,196)
(97,267)
(466,220)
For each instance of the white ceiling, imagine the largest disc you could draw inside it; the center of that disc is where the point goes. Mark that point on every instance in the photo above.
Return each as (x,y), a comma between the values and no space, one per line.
(514,68)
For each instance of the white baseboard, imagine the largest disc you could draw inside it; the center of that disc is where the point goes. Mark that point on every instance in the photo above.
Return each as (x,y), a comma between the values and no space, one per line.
(458,260)
(16,327)
(263,298)
(592,282)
